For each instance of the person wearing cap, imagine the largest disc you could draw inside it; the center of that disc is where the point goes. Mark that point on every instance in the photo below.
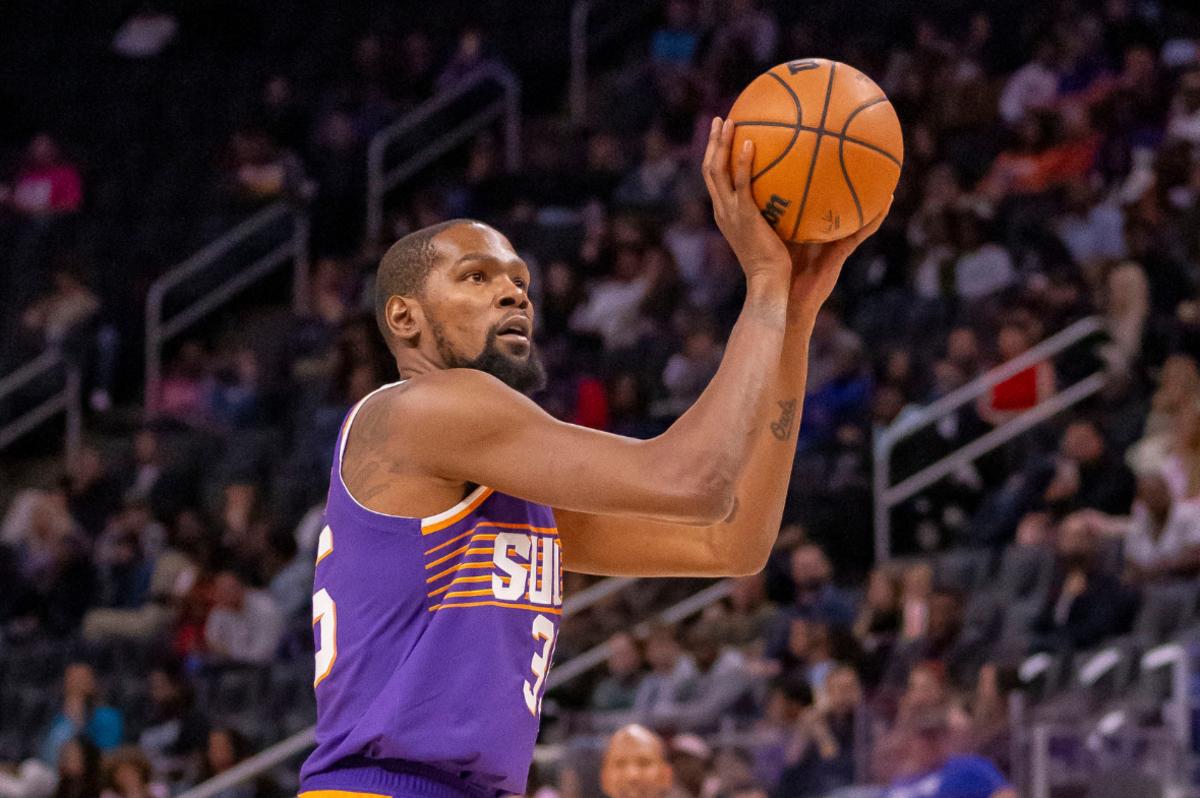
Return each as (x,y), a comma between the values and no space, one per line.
(635,765)
(934,773)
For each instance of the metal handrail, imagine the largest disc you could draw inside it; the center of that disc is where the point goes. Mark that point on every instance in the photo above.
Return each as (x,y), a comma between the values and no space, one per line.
(67,401)
(381,180)
(888,496)
(302,740)
(159,331)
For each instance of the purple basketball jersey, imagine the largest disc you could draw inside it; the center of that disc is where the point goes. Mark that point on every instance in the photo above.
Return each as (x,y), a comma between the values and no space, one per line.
(434,638)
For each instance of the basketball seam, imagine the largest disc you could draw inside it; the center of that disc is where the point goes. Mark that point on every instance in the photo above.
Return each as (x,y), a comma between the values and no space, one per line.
(795,129)
(808,129)
(816,151)
(842,153)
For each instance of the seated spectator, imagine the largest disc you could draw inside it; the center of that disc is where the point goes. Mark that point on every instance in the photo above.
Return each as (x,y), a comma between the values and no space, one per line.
(635,765)
(788,697)
(983,268)
(688,372)
(652,183)
(146,469)
(816,597)
(915,595)
(46,185)
(612,304)
(127,774)
(186,393)
(174,731)
(68,306)
(225,749)
(257,170)
(928,768)
(82,714)
(618,689)
(1178,387)
(821,754)
(1085,604)
(173,575)
(79,771)
(289,575)
(677,41)
(878,623)
(1088,474)
(673,673)
(1161,536)
(91,493)
(1023,390)
(1127,310)
(1183,121)
(244,625)
(236,397)
(691,760)
(722,681)
(1181,467)
(990,731)
(940,641)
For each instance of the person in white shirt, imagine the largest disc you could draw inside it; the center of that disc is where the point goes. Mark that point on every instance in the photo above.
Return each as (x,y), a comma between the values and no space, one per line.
(1032,87)
(245,625)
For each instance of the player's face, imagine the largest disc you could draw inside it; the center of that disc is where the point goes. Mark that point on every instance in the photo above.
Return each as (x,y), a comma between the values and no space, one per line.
(635,767)
(478,309)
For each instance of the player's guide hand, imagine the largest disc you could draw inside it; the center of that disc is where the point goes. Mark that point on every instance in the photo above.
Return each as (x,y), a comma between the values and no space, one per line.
(758,248)
(816,267)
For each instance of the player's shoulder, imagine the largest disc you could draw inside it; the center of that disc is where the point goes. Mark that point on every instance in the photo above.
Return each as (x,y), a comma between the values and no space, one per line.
(445,395)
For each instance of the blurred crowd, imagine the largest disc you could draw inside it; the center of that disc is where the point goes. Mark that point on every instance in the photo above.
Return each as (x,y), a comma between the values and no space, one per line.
(1052,172)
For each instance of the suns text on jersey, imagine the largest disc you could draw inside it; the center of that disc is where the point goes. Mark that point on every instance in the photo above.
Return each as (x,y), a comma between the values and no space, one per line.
(533,565)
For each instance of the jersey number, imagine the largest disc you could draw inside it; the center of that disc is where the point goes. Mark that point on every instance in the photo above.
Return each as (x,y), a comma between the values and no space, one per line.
(543,629)
(325,615)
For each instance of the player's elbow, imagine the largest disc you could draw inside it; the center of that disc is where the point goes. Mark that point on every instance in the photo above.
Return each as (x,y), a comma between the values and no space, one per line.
(744,556)
(711,496)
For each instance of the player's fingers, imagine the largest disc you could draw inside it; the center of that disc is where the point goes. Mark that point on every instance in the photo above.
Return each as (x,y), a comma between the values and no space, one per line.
(741,171)
(714,134)
(720,161)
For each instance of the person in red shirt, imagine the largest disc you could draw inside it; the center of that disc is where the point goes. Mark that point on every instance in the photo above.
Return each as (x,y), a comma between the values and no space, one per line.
(1022,390)
(45,184)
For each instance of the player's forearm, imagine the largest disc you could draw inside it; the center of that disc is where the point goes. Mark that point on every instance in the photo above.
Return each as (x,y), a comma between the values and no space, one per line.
(716,434)
(748,534)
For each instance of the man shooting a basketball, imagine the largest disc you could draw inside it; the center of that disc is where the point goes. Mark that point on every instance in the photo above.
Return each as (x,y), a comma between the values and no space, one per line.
(456,502)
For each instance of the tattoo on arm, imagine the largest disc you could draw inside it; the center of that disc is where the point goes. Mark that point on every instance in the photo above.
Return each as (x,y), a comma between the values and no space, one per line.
(782,427)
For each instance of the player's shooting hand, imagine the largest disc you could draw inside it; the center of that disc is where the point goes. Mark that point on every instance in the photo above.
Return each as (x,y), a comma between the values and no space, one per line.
(816,267)
(759,249)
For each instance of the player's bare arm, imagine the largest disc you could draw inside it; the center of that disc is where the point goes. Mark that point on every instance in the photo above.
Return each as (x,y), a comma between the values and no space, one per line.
(448,427)
(741,542)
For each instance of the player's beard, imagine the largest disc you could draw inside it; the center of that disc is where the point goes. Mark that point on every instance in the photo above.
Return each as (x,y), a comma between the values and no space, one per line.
(526,375)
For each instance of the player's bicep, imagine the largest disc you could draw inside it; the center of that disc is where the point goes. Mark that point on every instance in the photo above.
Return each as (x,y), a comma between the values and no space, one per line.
(477,430)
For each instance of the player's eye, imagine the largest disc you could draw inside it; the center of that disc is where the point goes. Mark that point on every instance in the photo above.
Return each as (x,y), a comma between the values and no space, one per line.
(519,283)
(475,277)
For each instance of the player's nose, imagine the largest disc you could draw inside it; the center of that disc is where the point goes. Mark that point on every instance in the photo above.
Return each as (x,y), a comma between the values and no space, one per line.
(512,295)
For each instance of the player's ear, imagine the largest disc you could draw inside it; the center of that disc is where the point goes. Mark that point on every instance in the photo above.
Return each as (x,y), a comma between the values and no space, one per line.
(402,316)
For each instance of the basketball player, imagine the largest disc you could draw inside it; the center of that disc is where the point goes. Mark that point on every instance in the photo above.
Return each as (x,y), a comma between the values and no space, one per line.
(455,501)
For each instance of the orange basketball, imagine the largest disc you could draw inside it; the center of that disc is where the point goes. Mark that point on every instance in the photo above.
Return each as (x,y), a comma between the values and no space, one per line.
(827,147)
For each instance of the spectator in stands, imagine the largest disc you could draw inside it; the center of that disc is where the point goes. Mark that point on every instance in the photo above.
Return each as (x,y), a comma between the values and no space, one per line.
(930,769)
(653,183)
(174,574)
(127,774)
(289,575)
(185,395)
(1161,536)
(618,689)
(124,566)
(941,641)
(244,626)
(722,681)
(174,730)
(225,749)
(688,372)
(1179,385)
(816,597)
(983,268)
(635,765)
(91,493)
(31,779)
(1022,391)
(1183,122)
(46,185)
(878,623)
(79,771)
(673,673)
(1128,310)
(81,714)
(1085,603)
(915,594)
(1181,467)
(67,307)
(820,756)
(990,728)
(237,402)
(691,760)
(143,474)
(611,309)
(676,42)
(1088,474)
(257,170)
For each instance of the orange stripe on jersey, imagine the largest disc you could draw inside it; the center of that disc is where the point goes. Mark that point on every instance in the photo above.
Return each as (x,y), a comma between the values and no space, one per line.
(469,593)
(449,556)
(340,794)
(534,607)
(428,528)
(457,538)
(463,579)
(459,567)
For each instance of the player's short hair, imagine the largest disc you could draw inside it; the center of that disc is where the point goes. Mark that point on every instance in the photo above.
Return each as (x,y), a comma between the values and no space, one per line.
(405,266)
